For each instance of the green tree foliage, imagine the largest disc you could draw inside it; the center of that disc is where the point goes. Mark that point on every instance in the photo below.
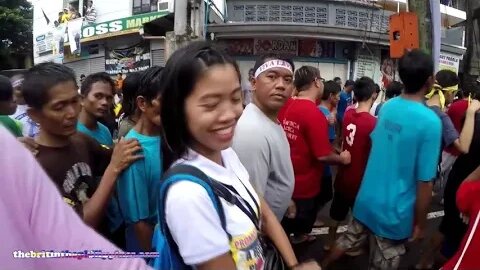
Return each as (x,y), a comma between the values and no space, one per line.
(16,19)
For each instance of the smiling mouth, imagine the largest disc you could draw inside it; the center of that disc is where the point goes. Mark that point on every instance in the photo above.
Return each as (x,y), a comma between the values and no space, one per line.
(224,131)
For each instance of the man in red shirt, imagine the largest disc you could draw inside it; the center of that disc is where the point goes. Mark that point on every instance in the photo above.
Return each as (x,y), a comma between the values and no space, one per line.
(357,126)
(468,202)
(307,133)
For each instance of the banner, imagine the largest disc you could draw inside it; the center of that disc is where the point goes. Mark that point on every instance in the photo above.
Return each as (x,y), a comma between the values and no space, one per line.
(132,59)
(316,48)
(389,72)
(237,47)
(75,34)
(368,64)
(449,62)
(278,46)
(117,27)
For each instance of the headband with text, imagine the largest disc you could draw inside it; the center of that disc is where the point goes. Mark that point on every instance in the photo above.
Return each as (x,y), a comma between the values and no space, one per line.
(277,63)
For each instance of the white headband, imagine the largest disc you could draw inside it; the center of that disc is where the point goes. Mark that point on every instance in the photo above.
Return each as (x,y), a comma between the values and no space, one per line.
(17,83)
(273,64)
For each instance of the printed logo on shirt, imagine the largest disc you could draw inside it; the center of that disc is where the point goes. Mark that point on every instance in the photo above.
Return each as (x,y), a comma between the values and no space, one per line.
(247,251)
(76,181)
(291,128)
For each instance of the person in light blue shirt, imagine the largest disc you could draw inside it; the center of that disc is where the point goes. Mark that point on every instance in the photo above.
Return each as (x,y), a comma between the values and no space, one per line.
(393,200)
(137,187)
(97,92)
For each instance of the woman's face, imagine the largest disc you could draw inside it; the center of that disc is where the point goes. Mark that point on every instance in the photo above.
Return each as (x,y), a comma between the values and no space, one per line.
(213,109)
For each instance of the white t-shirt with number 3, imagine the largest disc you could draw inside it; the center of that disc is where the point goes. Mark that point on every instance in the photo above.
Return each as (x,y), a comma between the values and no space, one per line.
(195,224)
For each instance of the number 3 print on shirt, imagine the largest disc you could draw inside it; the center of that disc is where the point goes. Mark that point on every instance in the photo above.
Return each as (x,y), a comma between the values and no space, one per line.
(353,129)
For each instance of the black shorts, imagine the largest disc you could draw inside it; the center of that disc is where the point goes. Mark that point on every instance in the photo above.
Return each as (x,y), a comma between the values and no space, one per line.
(452,226)
(307,210)
(340,207)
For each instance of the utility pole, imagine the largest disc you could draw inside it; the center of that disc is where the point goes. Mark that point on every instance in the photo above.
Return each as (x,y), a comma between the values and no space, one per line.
(471,60)
(189,24)
(422,9)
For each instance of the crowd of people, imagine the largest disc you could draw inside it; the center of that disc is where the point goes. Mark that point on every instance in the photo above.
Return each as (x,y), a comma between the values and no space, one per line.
(182,159)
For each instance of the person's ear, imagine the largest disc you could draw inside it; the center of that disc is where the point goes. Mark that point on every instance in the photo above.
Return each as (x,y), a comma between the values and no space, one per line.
(253,82)
(141,103)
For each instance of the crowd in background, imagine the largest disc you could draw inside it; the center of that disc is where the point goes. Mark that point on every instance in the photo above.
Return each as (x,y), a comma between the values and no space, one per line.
(210,172)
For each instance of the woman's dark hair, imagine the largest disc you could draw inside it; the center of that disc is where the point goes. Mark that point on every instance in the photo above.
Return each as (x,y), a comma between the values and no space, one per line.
(129,92)
(94,78)
(446,78)
(415,68)
(182,71)
(43,77)
(305,76)
(330,88)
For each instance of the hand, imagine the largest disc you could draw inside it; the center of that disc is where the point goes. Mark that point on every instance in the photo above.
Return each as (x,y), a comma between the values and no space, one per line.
(292,210)
(310,265)
(346,157)
(331,120)
(474,106)
(124,154)
(30,144)
(418,234)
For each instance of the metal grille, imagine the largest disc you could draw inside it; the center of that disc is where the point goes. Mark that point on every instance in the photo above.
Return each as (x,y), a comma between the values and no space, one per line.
(316,14)
(158,57)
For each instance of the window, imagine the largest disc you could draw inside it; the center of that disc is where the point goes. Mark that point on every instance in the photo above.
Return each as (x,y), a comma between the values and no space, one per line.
(144,6)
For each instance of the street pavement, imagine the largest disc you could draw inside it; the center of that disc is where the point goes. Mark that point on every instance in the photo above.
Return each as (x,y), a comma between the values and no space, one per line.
(314,250)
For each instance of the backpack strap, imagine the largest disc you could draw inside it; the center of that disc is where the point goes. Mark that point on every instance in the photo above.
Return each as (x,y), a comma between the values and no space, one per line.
(184,172)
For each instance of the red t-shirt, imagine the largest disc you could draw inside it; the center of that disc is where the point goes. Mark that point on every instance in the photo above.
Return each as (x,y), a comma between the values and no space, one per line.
(456,112)
(307,132)
(281,113)
(468,202)
(356,139)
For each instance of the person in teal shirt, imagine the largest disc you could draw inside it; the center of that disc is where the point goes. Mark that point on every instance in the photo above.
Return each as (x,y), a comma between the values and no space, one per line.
(97,92)
(137,186)
(396,190)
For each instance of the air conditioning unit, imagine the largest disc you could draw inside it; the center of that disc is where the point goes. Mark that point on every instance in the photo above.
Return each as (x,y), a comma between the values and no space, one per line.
(166,6)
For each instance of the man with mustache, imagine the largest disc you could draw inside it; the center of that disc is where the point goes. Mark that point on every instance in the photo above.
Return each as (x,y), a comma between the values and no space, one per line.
(97,92)
(259,141)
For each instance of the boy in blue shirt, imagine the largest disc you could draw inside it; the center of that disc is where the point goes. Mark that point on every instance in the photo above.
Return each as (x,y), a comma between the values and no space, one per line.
(392,203)
(97,92)
(346,99)
(137,187)
(330,97)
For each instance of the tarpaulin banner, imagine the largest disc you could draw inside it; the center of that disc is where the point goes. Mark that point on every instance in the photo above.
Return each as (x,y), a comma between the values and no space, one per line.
(74,35)
(127,60)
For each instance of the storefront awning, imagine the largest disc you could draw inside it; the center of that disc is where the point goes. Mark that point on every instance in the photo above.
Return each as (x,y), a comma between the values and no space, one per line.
(159,26)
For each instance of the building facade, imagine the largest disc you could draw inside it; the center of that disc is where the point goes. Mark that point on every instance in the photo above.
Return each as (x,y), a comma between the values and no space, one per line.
(111,37)
(346,39)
